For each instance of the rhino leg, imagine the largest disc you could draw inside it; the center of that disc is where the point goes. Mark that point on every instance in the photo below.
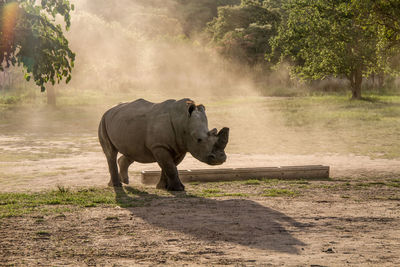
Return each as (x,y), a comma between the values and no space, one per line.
(169,170)
(111,154)
(124,163)
(162,184)
(113,168)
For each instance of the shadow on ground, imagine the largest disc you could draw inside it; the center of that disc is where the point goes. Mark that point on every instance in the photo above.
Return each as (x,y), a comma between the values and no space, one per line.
(239,221)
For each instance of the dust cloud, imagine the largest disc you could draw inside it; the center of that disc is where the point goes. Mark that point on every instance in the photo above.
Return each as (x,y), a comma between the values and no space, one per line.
(139,46)
(131,49)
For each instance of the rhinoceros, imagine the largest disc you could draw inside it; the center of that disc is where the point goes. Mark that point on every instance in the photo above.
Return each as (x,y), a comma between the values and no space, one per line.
(164,132)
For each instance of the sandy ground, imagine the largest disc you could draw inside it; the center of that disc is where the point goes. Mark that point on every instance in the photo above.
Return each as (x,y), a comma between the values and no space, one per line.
(318,228)
(90,169)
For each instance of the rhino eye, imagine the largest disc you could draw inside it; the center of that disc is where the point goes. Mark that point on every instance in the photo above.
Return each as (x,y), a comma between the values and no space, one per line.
(199,140)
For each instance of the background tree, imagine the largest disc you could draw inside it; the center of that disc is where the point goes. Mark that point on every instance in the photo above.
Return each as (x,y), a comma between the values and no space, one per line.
(242,32)
(195,14)
(384,15)
(31,37)
(329,38)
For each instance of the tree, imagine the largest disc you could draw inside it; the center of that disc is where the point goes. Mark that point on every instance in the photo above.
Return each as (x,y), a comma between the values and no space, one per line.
(31,37)
(194,14)
(330,38)
(242,32)
(384,15)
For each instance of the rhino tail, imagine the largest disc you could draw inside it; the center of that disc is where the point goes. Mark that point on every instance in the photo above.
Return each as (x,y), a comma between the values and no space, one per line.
(104,139)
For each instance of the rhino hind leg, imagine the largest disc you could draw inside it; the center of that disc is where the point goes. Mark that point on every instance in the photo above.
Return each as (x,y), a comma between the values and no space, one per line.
(111,154)
(113,169)
(124,163)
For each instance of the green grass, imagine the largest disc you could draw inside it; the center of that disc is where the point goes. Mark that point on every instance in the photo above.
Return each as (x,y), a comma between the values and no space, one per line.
(66,200)
(333,123)
(277,192)
(252,182)
(328,123)
(63,200)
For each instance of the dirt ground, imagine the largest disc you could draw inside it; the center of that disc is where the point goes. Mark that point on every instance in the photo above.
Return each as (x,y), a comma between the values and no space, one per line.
(33,164)
(326,224)
(318,228)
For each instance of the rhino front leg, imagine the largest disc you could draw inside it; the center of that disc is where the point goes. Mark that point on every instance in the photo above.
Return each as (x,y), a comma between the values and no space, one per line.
(168,167)
(124,163)
(162,184)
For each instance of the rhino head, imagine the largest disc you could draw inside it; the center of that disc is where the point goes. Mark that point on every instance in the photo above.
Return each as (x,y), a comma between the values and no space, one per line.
(205,145)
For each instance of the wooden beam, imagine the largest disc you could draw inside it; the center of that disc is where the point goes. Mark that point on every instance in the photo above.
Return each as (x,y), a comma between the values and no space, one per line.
(238,174)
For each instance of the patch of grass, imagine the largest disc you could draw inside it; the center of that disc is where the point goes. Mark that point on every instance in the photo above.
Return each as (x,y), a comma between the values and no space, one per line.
(358,125)
(370,184)
(211,191)
(235,195)
(252,181)
(64,199)
(62,189)
(272,181)
(298,182)
(276,192)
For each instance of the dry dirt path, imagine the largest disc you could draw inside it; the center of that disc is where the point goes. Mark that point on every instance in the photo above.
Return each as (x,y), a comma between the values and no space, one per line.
(90,168)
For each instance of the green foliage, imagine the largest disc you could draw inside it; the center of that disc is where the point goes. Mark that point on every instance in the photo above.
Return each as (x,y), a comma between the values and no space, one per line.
(384,13)
(242,32)
(331,38)
(194,14)
(31,37)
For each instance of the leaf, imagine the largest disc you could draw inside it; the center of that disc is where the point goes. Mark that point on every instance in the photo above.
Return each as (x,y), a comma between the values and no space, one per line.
(27,77)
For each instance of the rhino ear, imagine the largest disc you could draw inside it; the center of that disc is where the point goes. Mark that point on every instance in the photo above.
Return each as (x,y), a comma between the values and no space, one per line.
(191,108)
(213,132)
(201,107)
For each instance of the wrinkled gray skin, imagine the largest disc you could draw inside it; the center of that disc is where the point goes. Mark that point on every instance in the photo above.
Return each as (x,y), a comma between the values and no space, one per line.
(147,132)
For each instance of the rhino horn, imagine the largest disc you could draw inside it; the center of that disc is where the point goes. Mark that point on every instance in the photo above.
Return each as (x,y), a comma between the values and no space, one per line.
(223,136)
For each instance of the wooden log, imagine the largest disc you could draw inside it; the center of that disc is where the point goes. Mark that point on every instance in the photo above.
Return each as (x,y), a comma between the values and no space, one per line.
(238,174)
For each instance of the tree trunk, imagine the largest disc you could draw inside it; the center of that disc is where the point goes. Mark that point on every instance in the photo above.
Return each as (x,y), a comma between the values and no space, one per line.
(356,81)
(51,95)
(381,80)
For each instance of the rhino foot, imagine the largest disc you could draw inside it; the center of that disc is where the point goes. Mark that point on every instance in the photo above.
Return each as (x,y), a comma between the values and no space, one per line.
(125,180)
(162,184)
(176,187)
(110,183)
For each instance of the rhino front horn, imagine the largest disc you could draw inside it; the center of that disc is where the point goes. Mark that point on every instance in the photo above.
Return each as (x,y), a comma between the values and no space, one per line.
(223,136)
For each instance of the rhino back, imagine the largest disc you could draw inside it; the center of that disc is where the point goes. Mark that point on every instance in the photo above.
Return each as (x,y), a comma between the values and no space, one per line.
(137,127)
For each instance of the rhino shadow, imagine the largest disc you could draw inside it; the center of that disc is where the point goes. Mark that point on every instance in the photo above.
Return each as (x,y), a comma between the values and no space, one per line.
(239,221)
